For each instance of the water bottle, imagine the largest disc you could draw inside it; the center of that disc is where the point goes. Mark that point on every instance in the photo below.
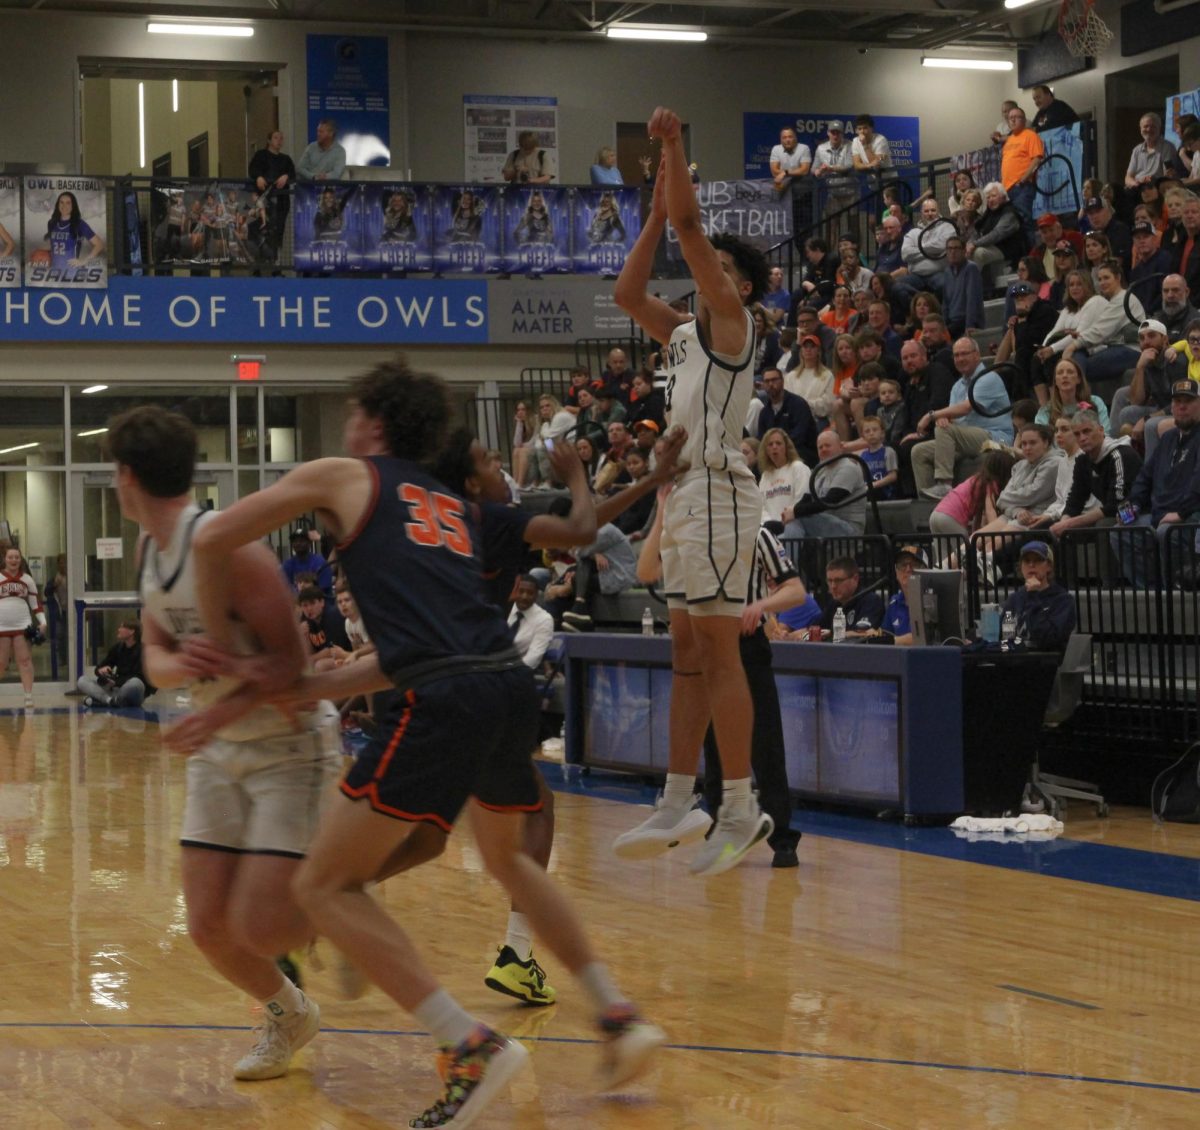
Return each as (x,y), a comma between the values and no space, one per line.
(1008,629)
(839,626)
(647,622)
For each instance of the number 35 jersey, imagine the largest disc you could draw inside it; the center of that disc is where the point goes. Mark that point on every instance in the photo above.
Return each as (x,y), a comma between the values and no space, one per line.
(412,568)
(709,394)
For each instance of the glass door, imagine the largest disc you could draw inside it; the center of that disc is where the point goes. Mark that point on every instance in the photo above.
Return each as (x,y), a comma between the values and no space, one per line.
(104,586)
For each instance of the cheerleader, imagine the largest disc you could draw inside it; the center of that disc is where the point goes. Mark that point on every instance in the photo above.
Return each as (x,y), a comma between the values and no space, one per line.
(19,609)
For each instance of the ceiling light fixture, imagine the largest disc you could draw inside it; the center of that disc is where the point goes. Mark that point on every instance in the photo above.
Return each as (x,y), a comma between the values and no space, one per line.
(967,64)
(93,388)
(93,432)
(19,447)
(1011,4)
(199,27)
(660,35)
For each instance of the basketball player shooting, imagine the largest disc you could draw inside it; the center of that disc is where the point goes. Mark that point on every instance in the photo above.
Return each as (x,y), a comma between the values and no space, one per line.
(711,518)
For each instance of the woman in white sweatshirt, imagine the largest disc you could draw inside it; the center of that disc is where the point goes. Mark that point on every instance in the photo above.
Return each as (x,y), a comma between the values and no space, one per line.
(784,478)
(811,379)
(1098,345)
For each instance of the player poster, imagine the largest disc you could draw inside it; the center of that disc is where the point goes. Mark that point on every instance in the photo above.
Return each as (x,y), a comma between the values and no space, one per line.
(492,126)
(537,230)
(607,222)
(466,229)
(66,221)
(328,227)
(10,232)
(397,227)
(218,223)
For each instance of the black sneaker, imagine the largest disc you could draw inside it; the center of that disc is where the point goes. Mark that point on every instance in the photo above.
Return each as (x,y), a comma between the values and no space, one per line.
(785,857)
(578,618)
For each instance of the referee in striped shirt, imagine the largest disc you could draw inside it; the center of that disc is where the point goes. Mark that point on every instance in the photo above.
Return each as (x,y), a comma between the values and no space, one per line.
(775,586)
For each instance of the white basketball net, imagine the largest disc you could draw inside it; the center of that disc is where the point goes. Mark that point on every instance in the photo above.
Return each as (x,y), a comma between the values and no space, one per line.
(1084,32)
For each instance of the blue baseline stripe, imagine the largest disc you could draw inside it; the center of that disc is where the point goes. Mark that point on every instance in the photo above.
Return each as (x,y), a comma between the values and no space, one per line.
(829,1057)
(1130,869)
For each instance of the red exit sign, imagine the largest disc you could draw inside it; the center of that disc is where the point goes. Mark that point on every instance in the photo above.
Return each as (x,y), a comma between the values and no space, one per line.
(249,370)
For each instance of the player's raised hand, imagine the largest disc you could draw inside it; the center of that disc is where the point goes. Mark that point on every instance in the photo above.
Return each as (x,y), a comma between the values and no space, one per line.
(565,461)
(664,124)
(658,199)
(667,463)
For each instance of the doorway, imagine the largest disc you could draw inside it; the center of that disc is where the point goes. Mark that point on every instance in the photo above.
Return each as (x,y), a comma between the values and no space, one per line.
(1129,94)
(105,553)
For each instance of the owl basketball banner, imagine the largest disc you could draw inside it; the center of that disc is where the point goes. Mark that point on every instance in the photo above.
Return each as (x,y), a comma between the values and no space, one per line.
(10,232)
(750,209)
(328,227)
(607,222)
(65,224)
(537,230)
(466,229)
(397,221)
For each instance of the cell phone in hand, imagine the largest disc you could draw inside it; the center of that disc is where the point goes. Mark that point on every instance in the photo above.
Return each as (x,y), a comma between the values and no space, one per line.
(549,444)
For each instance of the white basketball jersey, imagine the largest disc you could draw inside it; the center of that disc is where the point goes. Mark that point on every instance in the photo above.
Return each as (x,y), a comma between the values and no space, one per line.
(168,591)
(708,394)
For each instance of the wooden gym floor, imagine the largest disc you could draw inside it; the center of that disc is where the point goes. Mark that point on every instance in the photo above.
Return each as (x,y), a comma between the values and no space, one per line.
(900,978)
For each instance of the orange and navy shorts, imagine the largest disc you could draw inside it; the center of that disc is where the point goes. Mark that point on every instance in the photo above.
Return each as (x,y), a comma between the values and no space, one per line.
(462,736)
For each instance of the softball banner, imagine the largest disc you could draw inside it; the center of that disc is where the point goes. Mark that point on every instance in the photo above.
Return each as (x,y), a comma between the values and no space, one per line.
(10,232)
(65,222)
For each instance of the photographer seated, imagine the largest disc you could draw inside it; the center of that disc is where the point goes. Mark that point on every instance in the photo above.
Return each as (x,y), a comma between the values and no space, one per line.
(119,681)
(1043,610)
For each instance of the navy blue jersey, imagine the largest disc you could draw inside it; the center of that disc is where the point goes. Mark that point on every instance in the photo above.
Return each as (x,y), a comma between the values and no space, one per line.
(503,550)
(411,565)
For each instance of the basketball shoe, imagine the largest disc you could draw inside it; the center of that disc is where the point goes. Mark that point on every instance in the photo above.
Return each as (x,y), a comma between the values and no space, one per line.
(629,1044)
(738,829)
(474,1073)
(668,827)
(525,980)
(279,1038)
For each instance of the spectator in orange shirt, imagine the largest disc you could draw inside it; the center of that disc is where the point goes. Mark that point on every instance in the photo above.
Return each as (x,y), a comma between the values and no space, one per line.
(1020,160)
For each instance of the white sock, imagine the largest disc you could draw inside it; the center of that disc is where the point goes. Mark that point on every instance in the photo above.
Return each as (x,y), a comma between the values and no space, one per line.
(736,796)
(445,1018)
(286,1001)
(520,936)
(597,982)
(679,789)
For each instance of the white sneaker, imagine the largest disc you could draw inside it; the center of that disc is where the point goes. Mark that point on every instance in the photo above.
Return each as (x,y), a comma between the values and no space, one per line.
(28,701)
(734,835)
(669,827)
(278,1041)
(629,1046)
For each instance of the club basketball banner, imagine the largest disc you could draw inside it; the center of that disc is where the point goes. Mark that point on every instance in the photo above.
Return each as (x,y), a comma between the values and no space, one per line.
(328,227)
(397,221)
(1063,195)
(982,164)
(749,209)
(65,224)
(607,222)
(466,229)
(537,230)
(10,232)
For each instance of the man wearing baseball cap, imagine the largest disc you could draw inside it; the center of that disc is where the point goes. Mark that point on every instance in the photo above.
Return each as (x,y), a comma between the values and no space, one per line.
(1167,488)
(833,166)
(1147,265)
(1044,611)
(1050,234)
(1100,217)
(1026,331)
(1148,395)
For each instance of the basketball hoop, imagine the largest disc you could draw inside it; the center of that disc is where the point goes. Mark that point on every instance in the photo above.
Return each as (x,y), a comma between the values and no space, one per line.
(1084,32)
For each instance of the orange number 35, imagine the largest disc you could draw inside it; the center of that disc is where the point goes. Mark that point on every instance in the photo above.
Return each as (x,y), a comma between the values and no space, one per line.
(436,519)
